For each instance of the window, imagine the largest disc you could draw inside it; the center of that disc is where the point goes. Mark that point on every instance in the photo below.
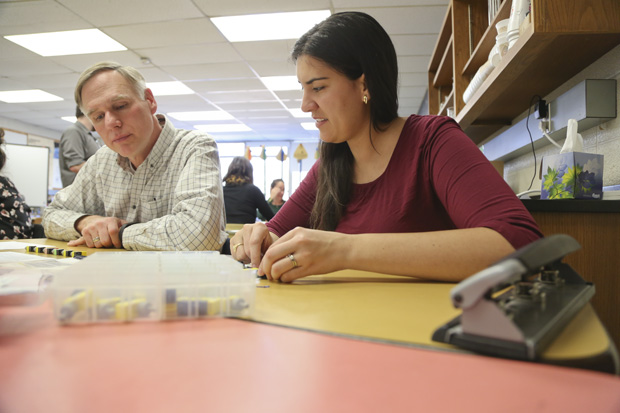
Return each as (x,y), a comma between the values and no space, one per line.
(265,171)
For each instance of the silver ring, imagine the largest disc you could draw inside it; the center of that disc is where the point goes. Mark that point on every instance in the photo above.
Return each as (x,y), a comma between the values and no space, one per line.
(96,239)
(292,258)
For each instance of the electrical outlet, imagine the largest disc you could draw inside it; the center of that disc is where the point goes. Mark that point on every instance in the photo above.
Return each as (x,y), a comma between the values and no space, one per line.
(545,125)
(540,110)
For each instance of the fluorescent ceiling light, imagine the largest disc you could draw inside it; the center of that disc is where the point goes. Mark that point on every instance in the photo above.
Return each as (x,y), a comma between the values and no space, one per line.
(169,88)
(201,115)
(220,128)
(272,26)
(298,113)
(26,96)
(71,119)
(67,43)
(276,83)
(309,126)
(231,149)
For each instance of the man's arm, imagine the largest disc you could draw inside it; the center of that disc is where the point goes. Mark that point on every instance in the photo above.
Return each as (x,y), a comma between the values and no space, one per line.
(76,168)
(72,203)
(72,149)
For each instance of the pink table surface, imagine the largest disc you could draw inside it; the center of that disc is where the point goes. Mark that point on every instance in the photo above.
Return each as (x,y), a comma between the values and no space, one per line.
(226,365)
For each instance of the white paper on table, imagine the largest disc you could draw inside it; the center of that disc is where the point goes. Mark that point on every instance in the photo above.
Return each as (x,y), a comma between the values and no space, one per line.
(14,245)
(24,277)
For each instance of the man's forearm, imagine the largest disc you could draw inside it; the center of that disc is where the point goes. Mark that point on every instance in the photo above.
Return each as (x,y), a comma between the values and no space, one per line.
(76,168)
(59,223)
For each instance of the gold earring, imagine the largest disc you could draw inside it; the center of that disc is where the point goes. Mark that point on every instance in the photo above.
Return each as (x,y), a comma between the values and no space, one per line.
(365,100)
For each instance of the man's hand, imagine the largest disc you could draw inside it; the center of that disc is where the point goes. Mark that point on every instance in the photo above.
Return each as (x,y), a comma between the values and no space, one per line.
(98,232)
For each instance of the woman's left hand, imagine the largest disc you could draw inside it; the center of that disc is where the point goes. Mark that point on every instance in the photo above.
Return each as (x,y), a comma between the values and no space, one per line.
(302,252)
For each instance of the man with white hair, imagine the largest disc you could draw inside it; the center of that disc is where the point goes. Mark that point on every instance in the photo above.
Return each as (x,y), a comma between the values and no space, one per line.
(153,187)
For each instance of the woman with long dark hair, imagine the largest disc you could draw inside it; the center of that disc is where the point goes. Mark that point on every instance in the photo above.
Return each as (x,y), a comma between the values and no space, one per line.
(241,197)
(411,196)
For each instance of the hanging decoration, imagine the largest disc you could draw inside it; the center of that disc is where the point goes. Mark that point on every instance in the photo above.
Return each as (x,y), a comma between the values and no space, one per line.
(300,154)
(248,153)
(281,156)
(263,156)
(316,153)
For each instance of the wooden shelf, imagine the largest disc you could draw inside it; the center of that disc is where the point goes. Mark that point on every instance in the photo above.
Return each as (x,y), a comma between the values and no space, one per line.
(482,50)
(562,38)
(443,77)
(443,110)
(442,58)
(445,36)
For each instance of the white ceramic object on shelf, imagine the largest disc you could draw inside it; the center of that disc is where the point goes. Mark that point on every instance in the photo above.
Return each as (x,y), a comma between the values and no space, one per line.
(482,73)
(518,11)
(502,26)
(494,56)
(512,37)
(501,41)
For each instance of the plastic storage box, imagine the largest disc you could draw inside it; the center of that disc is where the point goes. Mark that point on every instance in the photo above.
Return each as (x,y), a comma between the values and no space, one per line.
(133,286)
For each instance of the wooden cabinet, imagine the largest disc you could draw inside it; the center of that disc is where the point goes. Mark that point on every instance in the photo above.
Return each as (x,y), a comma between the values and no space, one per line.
(598,261)
(558,39)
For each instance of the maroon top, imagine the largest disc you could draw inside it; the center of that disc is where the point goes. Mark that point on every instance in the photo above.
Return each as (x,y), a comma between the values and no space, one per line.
(437,179)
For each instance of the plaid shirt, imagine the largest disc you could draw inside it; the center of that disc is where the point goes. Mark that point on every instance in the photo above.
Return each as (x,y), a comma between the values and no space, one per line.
(174,197)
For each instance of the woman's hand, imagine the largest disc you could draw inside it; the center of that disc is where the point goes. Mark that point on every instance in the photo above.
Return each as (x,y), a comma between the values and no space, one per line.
(276,194)
(250,243)
(302,252)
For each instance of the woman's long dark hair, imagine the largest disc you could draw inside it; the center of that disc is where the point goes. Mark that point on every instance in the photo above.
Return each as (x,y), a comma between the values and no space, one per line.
(353,44)
(240,172)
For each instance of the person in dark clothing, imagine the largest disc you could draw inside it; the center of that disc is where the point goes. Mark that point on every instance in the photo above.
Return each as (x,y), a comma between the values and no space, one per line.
(241,197)
(15,219)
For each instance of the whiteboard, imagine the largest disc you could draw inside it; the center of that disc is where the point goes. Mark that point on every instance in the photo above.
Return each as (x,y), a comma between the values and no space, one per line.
(27,167)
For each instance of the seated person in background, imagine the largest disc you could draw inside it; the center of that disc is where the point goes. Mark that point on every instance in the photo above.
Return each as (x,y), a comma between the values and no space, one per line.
(153,187)
(76,146)
(407,196)
(241,197)
(15,219)
(275,200)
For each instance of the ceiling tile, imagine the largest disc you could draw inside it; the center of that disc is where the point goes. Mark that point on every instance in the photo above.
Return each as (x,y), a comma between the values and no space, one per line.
(191,54)
(25,17)
(408,20)
(349,4)
(119,12)
(275,50)
(35,65)
(242,96)
(209,71)
(273,67)
(414,64)
(162,34)
(239,7)
(415,44)
(414,79)
(232,107)
(226,85)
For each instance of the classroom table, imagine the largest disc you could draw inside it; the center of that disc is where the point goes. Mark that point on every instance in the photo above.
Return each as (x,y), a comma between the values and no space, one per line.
(347,362)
